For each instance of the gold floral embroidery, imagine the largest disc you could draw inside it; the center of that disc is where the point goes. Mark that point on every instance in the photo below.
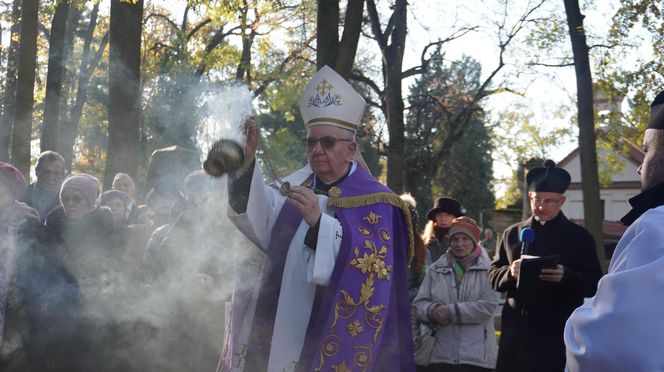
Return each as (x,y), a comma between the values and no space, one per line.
(361,312)
(384,234)
(334,192)
(341,368)
(355,328)
(364,231)
(372,262)
(308,183)
(372,218)
(362,357)
(379,198)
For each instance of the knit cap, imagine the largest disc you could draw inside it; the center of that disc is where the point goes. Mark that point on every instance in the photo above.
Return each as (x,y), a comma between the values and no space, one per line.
(13,180)
(85,184)
(467,226)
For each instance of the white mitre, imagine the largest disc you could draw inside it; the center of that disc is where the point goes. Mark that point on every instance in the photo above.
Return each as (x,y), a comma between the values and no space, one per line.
(328,99)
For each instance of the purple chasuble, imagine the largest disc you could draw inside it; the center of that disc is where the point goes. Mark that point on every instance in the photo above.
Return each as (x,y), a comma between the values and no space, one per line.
(363,321)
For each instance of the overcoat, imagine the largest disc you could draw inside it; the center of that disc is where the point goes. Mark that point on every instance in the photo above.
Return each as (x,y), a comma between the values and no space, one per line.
(533,322)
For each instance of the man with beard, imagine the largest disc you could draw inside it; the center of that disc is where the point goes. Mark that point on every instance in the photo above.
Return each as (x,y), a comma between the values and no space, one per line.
(620,329)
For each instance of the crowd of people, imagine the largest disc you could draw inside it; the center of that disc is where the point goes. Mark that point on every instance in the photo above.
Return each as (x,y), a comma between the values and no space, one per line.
(94,281)
(332,273)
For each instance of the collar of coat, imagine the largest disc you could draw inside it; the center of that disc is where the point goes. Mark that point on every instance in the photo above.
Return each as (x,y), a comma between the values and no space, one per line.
(444,265)
(651,198)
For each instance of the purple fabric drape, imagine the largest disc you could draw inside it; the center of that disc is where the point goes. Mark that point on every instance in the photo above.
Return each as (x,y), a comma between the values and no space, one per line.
(363,321)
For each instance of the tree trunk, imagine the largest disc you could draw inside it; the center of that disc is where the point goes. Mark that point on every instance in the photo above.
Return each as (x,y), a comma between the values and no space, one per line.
(587,148)
(87,67)
(9,101)
(330,51)
(243,72)
(396,127)
(350,37)
(124,88)
(51,134)
(393,106)
(27,56)
(327,33)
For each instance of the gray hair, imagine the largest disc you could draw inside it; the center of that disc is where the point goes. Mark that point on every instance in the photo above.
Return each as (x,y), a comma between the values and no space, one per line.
(49,156)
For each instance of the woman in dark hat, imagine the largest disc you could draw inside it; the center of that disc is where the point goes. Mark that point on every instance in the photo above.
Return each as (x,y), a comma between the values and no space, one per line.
(440,217)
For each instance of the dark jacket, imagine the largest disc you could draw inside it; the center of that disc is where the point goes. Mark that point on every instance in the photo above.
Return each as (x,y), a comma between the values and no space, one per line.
(135,213)
(89,246)
(41,202)
(533,322)
(185,267)
(43,307)
(437,247)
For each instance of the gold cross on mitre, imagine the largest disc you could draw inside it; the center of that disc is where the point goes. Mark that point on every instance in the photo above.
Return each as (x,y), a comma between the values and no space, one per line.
(324,87)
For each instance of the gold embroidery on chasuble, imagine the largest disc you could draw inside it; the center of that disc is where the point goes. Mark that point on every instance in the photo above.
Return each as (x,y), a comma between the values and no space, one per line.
(362,313)
(341,367)
(372,218)
(334,192)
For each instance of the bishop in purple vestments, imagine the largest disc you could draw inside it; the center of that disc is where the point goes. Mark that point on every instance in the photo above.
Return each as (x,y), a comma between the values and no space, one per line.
(327,289)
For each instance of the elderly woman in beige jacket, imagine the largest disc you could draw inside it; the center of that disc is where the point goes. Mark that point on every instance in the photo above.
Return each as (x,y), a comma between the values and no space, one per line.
(457,300)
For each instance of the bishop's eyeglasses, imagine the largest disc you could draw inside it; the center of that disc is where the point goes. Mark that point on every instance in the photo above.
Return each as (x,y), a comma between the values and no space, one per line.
(326,142)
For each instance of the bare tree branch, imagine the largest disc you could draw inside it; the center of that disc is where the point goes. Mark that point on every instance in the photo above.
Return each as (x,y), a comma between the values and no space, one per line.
(424,61)
(375,25)
(551,65)
(185,19)
(358,76)
(165,18)
(198,27)
(295,54)
(605,46)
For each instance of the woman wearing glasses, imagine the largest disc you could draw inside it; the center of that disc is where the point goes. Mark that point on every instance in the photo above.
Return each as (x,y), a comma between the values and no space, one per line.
(86,239)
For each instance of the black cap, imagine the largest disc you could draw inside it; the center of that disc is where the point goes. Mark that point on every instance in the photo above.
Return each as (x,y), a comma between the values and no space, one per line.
(657,112)
(548,178)
(447,205)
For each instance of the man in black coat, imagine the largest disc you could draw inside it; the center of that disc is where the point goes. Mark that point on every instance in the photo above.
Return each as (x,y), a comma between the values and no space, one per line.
(534,314)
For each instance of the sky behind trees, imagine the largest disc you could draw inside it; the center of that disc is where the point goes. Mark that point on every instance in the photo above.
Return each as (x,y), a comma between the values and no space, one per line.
(547,94)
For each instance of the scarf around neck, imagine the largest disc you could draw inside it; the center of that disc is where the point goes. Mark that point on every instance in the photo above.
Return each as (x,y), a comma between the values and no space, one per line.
(459,265)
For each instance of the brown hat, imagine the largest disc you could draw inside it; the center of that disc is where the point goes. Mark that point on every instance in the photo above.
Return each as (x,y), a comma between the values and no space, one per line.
(13,180)
(467,226)
(447,205)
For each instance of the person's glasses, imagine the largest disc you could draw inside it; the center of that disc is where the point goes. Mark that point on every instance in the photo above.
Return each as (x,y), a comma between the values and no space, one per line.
(75,199)
(546,202)
(326,142)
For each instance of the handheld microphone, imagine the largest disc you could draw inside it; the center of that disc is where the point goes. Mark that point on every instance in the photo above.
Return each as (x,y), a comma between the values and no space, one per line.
(526,236)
